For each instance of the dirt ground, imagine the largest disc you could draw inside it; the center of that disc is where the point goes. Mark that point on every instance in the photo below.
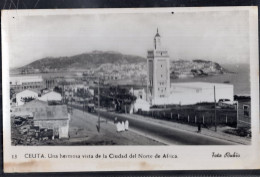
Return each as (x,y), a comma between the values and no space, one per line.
(83,131)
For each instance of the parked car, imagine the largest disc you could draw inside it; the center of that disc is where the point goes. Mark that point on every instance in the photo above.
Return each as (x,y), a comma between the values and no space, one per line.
(226,103)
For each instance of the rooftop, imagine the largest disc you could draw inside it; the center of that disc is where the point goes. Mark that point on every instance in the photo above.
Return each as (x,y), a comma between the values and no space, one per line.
(57,112)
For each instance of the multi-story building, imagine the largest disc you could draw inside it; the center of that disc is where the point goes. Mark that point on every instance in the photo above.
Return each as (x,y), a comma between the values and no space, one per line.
(161,92)
(158,81)
(20,83)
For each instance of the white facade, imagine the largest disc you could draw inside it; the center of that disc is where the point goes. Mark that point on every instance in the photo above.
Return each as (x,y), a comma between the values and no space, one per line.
(51,96)
(197,92)
(20,80)
(20,83)
(141,104)
(25,94)
(158,64)
(138,93)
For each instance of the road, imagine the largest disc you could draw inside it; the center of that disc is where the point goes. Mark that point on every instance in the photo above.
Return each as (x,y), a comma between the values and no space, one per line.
(164,133)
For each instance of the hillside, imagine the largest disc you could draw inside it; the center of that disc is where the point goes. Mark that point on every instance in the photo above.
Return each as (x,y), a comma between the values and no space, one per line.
(121,66)
(83,61)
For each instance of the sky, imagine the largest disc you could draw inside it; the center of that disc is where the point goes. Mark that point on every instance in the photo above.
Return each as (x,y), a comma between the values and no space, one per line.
(219,36)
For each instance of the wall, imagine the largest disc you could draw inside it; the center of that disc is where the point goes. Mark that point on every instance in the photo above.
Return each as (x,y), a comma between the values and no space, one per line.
(244,116)
(191,95)
(60,126)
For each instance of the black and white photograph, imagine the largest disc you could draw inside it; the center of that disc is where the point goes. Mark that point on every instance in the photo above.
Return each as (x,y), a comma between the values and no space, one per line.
(129,79)
(115,80)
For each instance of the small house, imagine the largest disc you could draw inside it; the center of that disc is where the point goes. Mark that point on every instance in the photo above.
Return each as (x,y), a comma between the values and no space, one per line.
(25,96)
(51,96)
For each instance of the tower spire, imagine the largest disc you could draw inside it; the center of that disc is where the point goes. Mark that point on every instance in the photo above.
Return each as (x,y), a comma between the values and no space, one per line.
(157,34)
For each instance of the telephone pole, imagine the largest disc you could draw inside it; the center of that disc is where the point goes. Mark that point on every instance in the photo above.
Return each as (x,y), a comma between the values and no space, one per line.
(215,114)
(98,105)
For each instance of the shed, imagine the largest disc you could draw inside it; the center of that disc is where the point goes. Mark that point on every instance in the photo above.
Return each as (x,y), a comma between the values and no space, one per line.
(55,118)
(46,116)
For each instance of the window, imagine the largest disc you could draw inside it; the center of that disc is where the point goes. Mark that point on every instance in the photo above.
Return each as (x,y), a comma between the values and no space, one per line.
(246,110)
(161,66)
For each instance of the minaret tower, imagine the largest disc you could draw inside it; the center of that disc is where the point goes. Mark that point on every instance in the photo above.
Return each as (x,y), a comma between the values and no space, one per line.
(158,82)
(157,40)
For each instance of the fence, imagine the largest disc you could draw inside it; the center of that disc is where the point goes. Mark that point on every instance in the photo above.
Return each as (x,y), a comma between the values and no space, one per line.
(193,116)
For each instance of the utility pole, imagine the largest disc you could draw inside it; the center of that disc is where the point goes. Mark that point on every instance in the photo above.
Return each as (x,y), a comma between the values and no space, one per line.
(237,112)
(215,115)
(98,105)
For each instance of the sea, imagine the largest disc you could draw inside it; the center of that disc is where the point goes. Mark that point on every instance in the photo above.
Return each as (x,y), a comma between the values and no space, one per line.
(237,75)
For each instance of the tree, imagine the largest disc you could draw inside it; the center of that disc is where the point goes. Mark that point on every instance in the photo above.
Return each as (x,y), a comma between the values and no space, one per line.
(12,92)
(57,89)
(114,97)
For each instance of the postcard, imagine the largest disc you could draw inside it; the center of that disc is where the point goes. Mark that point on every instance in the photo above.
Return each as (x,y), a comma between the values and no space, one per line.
(130,89)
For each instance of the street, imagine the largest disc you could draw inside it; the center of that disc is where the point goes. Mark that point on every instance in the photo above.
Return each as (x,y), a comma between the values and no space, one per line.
(164,133)
(83,131)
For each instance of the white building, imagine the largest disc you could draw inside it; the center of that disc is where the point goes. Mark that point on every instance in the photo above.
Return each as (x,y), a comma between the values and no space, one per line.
(25,94)
(158,82)
(19,83)
(141,104)
(51,96)
(138,93)
(197,92)
(161,91)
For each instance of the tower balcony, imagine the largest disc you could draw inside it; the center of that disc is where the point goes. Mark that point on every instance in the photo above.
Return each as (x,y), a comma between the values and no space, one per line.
(150,54)
(161,53)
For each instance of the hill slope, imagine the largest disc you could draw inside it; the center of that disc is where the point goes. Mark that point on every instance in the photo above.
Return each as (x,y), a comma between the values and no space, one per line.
(124,65)
(86,60)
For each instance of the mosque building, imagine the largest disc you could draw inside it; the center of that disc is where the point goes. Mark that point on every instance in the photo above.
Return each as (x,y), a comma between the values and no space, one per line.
(161,91)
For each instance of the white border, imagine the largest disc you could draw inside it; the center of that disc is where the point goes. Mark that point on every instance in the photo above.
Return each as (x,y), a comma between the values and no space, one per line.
(190,157)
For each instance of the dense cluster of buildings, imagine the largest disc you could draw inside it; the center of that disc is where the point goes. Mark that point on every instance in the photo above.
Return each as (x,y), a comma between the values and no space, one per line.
(44,100)
(110,71)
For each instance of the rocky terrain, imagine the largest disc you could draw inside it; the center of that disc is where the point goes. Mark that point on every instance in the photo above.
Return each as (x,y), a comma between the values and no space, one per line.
(195,68)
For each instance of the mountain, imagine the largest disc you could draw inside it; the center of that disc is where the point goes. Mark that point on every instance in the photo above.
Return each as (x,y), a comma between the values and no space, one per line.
(127,66)
(83,61)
